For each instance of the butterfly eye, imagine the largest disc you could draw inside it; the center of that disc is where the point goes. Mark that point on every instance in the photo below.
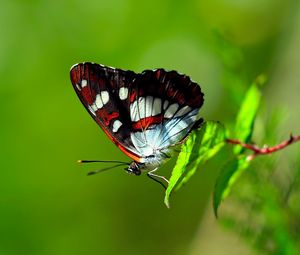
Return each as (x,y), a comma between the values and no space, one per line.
(137,171)
(133,169)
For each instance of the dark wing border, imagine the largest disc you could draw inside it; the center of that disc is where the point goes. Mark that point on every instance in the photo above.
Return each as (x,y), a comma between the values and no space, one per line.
(99,77)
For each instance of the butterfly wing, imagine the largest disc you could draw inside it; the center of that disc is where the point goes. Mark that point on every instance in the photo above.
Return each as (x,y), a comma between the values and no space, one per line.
(104,92)
(163,108)
(141,113)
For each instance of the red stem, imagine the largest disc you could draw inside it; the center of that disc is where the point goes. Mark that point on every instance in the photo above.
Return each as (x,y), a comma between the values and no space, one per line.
(266,149)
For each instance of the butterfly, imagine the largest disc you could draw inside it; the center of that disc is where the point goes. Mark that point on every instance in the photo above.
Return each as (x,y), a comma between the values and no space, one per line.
(145,114)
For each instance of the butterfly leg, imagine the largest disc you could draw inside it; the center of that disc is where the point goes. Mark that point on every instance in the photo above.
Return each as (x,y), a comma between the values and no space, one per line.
(158,176)
(154,177)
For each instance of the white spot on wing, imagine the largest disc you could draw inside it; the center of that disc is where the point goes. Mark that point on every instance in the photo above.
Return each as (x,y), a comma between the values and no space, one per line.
(156,106)
(171,110)
(83,83)
(78,87)
(98,102)
(141,109)
(149,105)
(123,93)
(184,110)
(105,97)
(133,112)
(138,109)
(94,107)
(90,107)
(117,124)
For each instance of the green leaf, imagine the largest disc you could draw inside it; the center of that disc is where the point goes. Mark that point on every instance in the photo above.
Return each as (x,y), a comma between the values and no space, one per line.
(201,145)
(181,163)
(228,175)
(243,131)
(246,116)
(209,140)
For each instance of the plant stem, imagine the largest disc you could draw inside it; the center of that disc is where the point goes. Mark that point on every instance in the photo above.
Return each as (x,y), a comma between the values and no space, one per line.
(266,149)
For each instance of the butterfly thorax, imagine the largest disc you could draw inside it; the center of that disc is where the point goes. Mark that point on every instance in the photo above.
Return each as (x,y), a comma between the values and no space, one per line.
(148,163)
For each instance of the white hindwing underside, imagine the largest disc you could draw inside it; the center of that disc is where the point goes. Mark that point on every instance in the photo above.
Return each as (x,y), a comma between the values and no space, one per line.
(176,125)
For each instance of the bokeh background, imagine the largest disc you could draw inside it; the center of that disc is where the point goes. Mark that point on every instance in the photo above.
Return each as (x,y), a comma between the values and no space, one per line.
(47,203)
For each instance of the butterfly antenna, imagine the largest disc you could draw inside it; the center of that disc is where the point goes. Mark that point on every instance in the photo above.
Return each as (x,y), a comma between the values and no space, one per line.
(81,161)
(104,169)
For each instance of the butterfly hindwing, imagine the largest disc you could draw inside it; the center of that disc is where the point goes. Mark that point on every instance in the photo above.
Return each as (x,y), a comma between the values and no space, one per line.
(164,108)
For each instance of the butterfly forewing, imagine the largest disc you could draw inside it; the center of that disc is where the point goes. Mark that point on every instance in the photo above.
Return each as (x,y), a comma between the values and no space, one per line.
(104,92)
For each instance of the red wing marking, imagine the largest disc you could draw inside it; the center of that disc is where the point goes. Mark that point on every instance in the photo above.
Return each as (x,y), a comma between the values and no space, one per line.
(147,122)
(87,95)
(157,74)
(132,96)
(101,113)
(129,153)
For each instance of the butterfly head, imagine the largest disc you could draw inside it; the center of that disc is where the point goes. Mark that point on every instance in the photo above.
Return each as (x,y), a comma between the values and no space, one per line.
(134,168)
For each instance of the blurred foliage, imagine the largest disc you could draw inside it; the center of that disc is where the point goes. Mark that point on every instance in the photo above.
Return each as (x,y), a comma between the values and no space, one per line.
(260,210)
(228,176)
(49,206)
(247,113)
(243,132)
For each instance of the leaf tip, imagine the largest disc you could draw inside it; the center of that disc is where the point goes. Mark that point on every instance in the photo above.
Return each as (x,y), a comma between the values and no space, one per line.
(216,206)
(167,203)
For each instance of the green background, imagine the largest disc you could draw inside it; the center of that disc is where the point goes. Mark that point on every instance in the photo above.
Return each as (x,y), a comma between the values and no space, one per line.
(47,203)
